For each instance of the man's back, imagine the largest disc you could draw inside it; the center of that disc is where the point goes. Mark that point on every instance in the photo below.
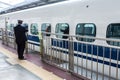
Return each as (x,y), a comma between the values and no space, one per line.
(20,34)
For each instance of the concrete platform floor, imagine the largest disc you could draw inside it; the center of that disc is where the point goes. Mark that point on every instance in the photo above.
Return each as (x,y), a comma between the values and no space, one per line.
(14,72)
(12,68)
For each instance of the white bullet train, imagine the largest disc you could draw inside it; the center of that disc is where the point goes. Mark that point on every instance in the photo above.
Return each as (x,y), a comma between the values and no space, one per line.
(96,19)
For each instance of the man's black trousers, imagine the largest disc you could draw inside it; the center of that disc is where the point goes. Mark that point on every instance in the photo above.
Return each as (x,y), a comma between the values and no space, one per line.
(20,49)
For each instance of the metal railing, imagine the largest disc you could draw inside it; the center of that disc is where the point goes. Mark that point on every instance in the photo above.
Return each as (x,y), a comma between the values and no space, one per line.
(82,58)
(8,39)
(89,59)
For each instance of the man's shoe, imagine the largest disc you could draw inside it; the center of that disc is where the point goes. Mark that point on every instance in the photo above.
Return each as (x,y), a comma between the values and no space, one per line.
(22,59)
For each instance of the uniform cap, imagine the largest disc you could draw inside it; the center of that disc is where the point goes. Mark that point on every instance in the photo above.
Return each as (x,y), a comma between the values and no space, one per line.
(20,21)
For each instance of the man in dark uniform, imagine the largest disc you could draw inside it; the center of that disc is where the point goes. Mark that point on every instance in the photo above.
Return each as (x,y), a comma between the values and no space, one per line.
(20,38)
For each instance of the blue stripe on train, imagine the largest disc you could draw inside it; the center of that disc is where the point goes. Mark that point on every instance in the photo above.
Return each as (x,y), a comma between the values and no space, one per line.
(97,50)
(33,38)
(90,58)
(60,43)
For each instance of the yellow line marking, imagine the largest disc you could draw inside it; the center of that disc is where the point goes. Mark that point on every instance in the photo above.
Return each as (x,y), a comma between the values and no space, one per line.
(39,71)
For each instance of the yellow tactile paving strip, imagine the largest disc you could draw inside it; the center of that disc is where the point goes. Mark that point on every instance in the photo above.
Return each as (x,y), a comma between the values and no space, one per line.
(39,71)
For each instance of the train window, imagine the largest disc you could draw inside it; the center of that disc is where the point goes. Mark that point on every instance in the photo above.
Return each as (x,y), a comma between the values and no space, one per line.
(46,27)
(86,29)
(34,29)
(113,32)
(62,28)
(10,27)
(25,25)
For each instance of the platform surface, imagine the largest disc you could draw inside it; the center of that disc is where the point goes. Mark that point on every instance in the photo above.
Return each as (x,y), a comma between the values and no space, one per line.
(12,68)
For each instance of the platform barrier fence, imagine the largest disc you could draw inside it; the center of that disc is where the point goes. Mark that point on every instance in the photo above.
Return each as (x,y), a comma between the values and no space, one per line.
(89,57)
(83,56)
(8,39)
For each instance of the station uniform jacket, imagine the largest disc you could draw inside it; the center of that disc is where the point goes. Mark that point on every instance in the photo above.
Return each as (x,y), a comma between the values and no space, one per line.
(20,34)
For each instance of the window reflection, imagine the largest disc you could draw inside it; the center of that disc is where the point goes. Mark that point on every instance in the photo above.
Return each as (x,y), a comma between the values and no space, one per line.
(113,32)
(34,29)
(85,29)
(10,27)
(25,25)
(46,27)
(62,28)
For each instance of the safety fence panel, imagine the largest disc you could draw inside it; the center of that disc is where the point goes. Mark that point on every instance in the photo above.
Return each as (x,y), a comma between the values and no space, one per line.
(92,58)
(8,39)
(83,57)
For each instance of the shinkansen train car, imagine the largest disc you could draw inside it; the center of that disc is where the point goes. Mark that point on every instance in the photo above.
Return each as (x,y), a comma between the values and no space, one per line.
(90,24)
